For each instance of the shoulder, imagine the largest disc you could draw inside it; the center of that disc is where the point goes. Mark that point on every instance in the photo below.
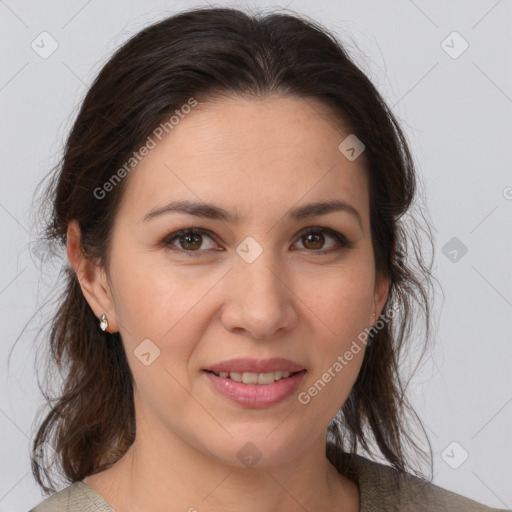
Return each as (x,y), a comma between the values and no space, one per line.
(77,497)
(384,488)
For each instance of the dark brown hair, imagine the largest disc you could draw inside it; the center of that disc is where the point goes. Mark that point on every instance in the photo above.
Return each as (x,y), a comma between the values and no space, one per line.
(204,53)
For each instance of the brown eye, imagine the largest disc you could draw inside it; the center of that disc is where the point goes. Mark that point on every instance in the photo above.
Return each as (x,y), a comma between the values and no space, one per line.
(191,241)
(313,240)
(188,241)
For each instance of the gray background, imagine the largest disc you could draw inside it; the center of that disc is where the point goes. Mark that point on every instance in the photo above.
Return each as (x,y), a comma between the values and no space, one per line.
(457,115)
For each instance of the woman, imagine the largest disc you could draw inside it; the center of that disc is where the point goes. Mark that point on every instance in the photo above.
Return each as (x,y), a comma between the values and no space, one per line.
(238,294)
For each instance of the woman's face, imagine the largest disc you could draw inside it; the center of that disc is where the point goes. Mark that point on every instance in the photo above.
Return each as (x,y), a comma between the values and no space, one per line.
(253,285)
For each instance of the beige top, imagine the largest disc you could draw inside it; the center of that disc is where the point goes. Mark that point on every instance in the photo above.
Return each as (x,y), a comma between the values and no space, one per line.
(377,488)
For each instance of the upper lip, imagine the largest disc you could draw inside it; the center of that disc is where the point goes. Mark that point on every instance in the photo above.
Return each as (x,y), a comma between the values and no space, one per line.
(256,365)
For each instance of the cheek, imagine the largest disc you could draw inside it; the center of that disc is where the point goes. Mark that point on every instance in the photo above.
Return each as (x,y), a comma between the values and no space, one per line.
(342,301)
(160,320)
(342,305)
(156,300)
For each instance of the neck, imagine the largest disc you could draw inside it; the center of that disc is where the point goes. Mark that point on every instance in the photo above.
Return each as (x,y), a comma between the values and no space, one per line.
(156,476)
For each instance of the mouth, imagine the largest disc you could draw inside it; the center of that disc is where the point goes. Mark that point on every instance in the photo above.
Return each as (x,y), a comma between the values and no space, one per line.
(256,383)
(255,389)
(256,379)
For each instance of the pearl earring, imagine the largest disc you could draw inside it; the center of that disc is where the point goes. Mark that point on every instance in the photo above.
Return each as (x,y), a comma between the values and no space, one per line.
(103,323)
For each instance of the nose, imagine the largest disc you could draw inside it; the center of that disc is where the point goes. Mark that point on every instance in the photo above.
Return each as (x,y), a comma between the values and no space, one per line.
(258,301)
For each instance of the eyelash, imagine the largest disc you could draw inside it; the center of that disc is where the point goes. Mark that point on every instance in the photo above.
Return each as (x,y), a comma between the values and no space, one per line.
(342,242)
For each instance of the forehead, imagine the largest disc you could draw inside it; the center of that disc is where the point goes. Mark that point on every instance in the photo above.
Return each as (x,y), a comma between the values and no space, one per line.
(268,154)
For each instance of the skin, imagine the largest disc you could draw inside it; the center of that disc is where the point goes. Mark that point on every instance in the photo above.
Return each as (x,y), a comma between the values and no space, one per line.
(258,159)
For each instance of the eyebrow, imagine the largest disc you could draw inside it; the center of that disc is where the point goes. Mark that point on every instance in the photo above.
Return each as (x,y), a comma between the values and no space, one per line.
(211,211)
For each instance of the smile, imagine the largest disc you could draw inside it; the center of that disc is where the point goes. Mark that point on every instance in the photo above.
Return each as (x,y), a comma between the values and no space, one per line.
(255,378)
(255,390)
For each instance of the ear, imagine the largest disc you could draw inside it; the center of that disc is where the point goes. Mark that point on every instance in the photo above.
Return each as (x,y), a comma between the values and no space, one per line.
(92,278)
(380,295)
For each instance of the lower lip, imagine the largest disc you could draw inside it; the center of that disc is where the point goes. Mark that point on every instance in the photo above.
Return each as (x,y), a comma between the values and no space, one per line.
(261,395)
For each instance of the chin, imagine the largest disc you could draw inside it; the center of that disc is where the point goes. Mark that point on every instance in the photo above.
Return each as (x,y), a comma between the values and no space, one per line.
(259,449)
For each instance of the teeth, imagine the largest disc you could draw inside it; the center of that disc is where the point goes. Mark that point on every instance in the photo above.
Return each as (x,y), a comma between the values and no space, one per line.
(255,378)
(237,377)
(263,378)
